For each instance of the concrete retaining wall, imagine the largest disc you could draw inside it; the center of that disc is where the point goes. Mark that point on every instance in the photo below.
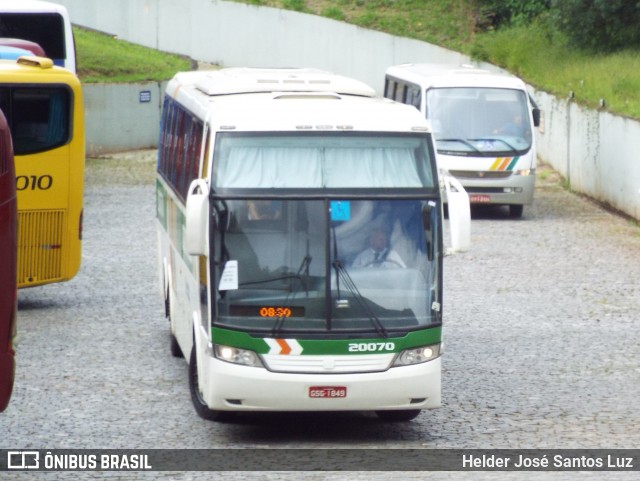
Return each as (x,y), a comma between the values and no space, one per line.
(122,116)
(596,151)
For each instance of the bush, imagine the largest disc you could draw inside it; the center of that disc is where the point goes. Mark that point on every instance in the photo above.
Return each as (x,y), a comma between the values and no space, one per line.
(599,25)
(494,13)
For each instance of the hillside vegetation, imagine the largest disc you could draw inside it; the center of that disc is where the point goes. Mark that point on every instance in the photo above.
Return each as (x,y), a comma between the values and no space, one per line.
(105,58)
(522,40)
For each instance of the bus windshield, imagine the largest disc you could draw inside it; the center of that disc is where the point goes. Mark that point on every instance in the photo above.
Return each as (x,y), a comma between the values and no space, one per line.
(47,29)
(327,266)
(480,122)
(322,160)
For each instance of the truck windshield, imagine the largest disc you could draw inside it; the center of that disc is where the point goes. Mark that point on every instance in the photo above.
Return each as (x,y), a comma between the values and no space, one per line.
(480,122)
(327,266)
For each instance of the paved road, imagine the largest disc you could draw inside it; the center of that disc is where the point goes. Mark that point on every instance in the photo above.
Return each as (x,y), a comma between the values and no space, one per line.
(541,345)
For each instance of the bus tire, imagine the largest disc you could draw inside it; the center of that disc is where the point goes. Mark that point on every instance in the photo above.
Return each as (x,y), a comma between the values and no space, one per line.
(196,396)
(174,347)
(515,210)
(398,416)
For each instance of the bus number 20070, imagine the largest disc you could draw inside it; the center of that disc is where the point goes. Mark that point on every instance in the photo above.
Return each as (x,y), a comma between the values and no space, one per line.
(371,346)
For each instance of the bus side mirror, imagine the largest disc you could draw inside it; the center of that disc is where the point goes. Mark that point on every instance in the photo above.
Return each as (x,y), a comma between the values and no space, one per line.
(197,215)
(536,117)
(459,214)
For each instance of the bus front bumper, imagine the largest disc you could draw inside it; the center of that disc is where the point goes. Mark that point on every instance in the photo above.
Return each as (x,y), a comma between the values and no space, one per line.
(231,387)
(515,190)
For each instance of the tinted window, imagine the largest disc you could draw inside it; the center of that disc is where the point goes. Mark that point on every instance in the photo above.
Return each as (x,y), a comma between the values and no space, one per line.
(39,118)
(45,29)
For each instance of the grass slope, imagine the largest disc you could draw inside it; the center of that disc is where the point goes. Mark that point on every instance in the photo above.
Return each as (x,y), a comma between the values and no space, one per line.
(541,57)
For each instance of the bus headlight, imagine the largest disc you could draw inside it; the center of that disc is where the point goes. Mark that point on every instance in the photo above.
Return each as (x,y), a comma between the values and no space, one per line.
(524,172)
(236,355)
(417,355)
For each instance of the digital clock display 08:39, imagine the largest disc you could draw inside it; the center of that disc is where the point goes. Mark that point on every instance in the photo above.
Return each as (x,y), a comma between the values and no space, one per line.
(267,311)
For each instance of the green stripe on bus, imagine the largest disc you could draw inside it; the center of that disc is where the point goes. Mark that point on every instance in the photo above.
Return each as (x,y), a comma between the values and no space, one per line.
(243,340)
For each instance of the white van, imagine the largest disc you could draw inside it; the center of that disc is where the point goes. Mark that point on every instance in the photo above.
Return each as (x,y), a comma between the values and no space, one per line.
(483,124)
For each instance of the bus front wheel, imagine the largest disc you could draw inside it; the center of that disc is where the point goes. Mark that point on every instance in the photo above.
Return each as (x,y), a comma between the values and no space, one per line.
(398,416)
(515,211)
(196,396)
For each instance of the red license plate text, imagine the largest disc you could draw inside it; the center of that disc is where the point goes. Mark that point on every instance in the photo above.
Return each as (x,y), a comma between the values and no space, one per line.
(327,391)
(479,198)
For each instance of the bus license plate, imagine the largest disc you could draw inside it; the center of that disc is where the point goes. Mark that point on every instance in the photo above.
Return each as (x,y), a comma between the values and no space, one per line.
(327,392)
(479,198)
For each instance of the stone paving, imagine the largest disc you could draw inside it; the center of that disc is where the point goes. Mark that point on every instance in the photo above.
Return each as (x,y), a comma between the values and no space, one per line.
(541,346)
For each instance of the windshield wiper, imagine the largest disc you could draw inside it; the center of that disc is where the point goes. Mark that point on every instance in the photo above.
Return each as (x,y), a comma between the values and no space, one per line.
(351,286)
(462,141)
(282,277)
(341,273)
(493,139)
(303,269)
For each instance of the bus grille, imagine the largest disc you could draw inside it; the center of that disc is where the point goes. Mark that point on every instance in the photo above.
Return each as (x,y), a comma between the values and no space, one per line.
(40,241)
(328,364)
(481,174)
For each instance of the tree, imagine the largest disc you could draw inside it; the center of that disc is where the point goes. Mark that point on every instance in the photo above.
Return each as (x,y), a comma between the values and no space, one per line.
(495,13)
(599,25)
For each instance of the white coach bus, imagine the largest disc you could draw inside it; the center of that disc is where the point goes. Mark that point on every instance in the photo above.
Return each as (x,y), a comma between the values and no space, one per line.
(300,244)
(483,125)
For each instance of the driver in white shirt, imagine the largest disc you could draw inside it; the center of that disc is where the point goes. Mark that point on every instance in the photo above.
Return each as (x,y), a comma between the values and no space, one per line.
(378,254)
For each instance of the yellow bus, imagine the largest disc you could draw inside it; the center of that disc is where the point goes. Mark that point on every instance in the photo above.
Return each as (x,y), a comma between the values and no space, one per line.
(44,108)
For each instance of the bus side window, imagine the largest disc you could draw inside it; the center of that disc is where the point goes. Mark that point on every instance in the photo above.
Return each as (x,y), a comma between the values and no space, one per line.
(400,93)
(390,88)
(192,147)
(414,96)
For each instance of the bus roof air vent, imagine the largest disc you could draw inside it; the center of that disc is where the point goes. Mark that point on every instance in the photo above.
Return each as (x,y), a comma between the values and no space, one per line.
(261,80)
(307,96)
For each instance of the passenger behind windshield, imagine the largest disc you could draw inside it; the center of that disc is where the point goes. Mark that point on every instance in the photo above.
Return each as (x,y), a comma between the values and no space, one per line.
(513,128)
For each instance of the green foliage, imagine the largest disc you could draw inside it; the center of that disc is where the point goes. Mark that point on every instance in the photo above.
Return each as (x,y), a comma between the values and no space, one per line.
(334,12)
(297,5)
(492,14)
(535,43)
(546,58)
(599,25)
(103,58)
